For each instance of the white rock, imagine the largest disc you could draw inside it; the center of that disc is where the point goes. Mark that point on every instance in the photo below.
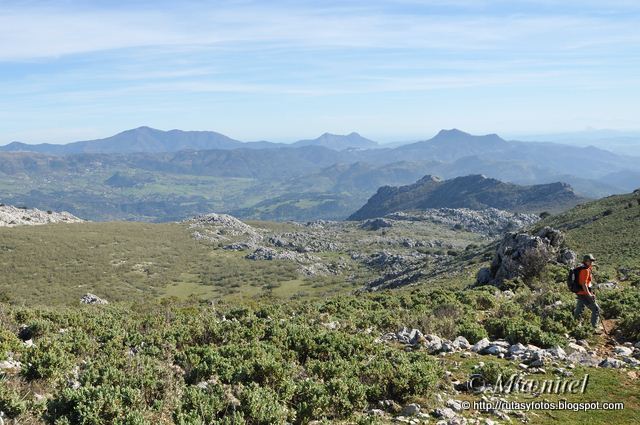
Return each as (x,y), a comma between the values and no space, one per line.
(610,362)
(517,349)
(623,351)
(455,405)
(410,410)
(557,353)
(461,343)
(481,345)
(11,216)
(92,299)
(10,366)
(495,350)
(572,347)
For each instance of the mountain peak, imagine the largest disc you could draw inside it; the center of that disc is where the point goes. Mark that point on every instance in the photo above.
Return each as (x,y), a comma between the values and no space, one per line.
(458,136)
(339,141)
(451,133)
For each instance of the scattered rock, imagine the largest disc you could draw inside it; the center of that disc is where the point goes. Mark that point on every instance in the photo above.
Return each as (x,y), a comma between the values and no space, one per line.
(461,343)
(10,366)
(481,345)
(623,351)
(572,347)
(454,404)
(610,362)
(376,224)
(489,221)
(410,410)
(92,299)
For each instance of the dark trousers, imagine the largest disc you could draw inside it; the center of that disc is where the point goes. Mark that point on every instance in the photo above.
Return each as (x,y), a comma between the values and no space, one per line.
(586,301)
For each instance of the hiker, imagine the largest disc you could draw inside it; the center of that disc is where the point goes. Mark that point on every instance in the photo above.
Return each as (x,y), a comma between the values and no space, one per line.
(585,296)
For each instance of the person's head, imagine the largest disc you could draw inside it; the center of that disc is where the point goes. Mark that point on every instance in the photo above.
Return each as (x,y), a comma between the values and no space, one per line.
(589,259)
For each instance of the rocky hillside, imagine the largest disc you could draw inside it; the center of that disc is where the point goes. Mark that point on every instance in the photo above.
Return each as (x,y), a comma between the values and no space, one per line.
(473,191)
(14,216)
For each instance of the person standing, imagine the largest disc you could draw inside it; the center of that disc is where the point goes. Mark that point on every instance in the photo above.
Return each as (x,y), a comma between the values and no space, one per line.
(585,296)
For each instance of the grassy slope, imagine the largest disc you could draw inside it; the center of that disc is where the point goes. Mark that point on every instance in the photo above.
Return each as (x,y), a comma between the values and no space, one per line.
(121,261)
(611,236)
(609,228)
(56,264)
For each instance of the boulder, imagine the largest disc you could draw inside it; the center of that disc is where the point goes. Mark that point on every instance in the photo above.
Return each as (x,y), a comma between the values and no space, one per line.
(376,224)
(584,359)
(454,405)
(410,410)
(406,336)
(557,353)
(521,255)
(10,366)
(623,351)
(445,413)
(481,345)
(494,350)
(461,343)
(92,299)
(610,362)
(572,347)
(607,285)
(517,349)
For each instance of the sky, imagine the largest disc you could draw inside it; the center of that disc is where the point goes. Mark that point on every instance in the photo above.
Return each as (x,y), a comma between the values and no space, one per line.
(285,70)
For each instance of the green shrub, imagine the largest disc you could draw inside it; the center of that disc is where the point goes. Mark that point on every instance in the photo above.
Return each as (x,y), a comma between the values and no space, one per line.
(524,331)
(473,331)
(263,406)
(10,401)
(202,406)
(630,326)
(97,405)
(311,400)
(491,371)
(48,360)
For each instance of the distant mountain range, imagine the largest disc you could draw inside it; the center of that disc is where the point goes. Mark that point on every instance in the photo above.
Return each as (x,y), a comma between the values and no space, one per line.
(474,192)
(148,174)
(151,140)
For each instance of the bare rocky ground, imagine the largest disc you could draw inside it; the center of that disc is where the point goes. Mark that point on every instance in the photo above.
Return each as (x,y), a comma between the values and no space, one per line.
(11,216)
(395,250)
(530,361)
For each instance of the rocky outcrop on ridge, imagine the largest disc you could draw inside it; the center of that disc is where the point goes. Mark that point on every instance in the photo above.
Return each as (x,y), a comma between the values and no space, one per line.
(11,216)
(520,255)
(222,227)
(489,221)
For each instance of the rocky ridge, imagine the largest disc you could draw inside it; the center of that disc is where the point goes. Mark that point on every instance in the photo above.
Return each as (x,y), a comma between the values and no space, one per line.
(11,216)
(489,221)
(476,192)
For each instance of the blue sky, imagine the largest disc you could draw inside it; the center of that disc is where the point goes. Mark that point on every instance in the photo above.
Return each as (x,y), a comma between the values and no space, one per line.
(286,70)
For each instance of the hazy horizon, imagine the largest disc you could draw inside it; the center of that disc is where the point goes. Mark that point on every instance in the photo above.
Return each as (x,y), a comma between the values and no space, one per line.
(580,138)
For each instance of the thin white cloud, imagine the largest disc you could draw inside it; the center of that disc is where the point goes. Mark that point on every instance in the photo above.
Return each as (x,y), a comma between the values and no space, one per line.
(39,33)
